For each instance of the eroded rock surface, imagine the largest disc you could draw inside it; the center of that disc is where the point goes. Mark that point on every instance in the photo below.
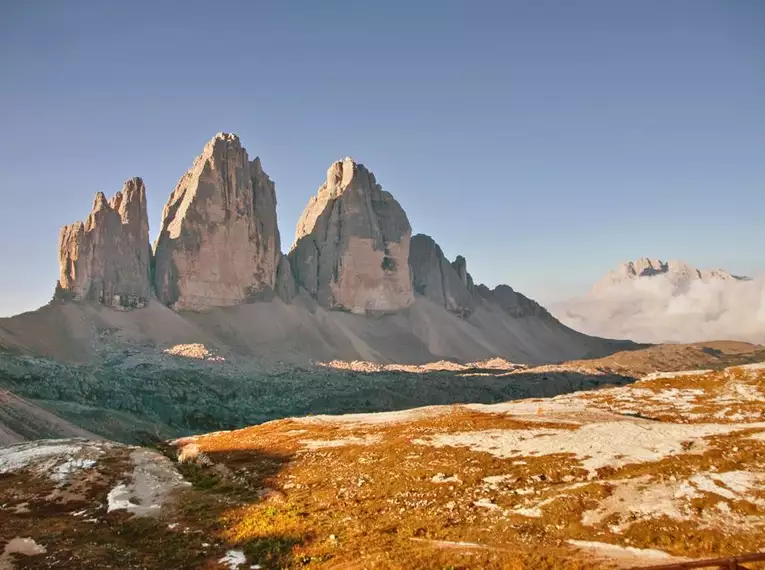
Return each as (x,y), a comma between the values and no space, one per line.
(434,277)
(107,258)
(351,247)
(219,244)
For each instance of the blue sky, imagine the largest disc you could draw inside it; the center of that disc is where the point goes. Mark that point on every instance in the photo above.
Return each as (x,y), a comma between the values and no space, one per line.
(545,141)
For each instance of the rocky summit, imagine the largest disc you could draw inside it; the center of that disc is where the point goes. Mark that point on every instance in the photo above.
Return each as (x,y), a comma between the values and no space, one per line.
(107,258)
(219,242)
(351,247)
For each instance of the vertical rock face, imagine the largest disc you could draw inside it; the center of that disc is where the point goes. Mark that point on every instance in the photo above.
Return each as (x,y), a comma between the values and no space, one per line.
(351,247)
(219,243)
(434,277)
(107,258)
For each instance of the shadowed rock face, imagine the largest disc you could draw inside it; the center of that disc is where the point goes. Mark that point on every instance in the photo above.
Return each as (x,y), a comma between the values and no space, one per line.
(450,285)
(285,281)
(351,247)
(513,303)
(107,258)
(434,277)
(219,244)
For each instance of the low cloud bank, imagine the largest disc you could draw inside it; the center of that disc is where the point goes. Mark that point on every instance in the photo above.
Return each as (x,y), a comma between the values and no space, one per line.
(654,309)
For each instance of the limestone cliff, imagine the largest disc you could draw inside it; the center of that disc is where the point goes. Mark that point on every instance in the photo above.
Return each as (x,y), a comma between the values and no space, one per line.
(219,242)
(434,277)
(351,247)
(107,258)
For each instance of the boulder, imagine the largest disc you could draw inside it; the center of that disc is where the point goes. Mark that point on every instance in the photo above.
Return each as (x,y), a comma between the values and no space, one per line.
(107,258)
(351,247)
(434,277)
(219,243)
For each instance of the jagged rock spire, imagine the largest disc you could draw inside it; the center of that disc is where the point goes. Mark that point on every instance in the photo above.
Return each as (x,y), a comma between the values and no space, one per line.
(219,243)
(107,258)
(351,246)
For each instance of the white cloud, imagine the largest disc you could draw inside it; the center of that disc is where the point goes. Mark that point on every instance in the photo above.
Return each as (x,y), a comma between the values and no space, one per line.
(653,309)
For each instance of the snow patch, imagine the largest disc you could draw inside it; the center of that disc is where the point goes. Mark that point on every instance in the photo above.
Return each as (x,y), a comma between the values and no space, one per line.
(153,479)
(57,459)
(17,457)
(63,471)
(233,559)
(118,498)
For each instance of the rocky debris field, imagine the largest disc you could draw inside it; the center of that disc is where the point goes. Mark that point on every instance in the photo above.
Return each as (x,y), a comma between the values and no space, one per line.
(668,468)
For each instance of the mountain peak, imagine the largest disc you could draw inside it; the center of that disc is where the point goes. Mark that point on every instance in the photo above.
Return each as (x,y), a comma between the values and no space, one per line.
(680,273)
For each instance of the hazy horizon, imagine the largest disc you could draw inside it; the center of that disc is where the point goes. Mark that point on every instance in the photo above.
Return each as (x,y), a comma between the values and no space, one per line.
(546,142)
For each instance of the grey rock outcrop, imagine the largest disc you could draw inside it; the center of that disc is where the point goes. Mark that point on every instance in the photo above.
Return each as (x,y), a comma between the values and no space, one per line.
(513,303)
(434,277)
(219,243)
(351,246)
(107,258)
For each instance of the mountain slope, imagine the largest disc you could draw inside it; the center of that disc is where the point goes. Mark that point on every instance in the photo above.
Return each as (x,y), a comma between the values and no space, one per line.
(299,332)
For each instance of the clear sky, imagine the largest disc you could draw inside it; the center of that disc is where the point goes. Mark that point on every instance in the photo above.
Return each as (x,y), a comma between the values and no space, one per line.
(545,141)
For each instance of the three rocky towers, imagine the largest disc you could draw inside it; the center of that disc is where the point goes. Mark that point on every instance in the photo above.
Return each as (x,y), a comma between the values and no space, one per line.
(219,246)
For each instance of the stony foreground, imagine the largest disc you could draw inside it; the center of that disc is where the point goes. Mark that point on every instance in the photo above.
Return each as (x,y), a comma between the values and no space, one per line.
(669,468)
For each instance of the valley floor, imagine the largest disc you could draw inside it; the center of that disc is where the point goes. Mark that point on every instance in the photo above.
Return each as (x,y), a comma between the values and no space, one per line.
(668,468)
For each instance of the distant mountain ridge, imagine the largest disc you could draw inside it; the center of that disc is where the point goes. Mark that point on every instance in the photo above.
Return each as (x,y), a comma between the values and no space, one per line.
(678,272)
(651,300)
